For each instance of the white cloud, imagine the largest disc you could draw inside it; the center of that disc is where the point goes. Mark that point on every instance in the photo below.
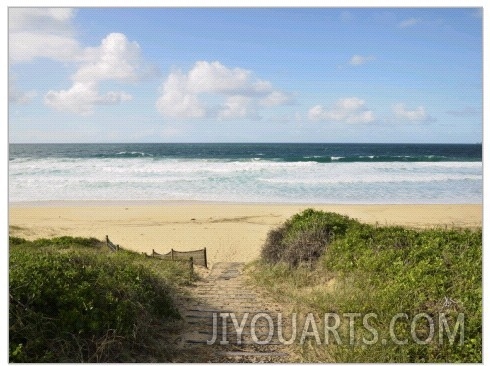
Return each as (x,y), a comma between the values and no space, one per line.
(408,22)
(238,89)
(216,78)
(417,115)
(348,110)
(316,113)
(357,60)
(115,59)
(275,98)
(176,101)
(25,46)
(47,19)
(237,106)
(42,32)
(82,97)
(49,33)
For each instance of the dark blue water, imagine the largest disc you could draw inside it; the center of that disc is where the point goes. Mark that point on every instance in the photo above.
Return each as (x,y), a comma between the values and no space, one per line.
(322,153)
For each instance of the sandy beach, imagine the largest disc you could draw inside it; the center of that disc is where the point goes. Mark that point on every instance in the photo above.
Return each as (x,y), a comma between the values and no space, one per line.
(230,232)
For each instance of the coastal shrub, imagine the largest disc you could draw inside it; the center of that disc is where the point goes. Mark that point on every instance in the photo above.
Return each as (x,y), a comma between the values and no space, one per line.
(305,245)
(13,240)
(64,242)
(304,237)
(57,243)
(85,306)
(273,249)
(387,271)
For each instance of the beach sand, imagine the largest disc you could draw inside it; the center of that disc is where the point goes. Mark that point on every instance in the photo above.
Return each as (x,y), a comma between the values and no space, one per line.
(230,232)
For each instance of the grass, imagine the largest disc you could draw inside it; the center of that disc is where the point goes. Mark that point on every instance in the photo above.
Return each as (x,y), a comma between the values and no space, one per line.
(72,300)
(365,269)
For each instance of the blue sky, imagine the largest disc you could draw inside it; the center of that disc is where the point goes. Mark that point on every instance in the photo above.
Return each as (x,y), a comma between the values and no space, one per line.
(245,75)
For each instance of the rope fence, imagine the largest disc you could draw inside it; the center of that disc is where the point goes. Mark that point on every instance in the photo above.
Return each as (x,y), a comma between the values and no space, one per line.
(199,257)
(193,257)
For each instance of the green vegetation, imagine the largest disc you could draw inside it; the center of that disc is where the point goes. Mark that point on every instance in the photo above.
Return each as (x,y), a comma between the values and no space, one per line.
(304,237)
(343,266)
(72,300)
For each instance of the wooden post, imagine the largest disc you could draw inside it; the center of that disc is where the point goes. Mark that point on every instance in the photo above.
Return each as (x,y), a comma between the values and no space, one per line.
(117,247)
(107,239)
(172,254)
(205,258)
(153,252)
(191,267)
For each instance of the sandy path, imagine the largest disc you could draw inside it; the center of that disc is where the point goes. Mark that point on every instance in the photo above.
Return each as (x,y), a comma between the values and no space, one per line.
(211,335)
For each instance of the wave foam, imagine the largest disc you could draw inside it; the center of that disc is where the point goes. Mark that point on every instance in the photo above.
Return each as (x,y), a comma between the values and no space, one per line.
(242,180)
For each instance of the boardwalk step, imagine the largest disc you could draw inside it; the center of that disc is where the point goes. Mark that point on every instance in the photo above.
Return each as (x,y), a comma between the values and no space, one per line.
(224,296)
(238,315)
(225,290)
(205,323)
(242,343)
(234,334)
(253,354)
(237,310)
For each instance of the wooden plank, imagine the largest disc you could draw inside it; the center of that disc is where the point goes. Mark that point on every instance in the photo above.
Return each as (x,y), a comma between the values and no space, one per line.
(234,334)
(242,343)
(224,298)
(237,314)
(250,310)
(208,323)
(253,354)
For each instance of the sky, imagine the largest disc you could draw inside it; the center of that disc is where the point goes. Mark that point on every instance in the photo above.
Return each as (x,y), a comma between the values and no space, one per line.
(289,74)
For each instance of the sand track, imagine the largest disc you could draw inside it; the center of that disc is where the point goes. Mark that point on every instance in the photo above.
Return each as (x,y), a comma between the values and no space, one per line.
(224,310)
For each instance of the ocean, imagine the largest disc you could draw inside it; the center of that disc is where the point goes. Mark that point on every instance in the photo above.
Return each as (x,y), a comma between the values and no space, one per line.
(248,172)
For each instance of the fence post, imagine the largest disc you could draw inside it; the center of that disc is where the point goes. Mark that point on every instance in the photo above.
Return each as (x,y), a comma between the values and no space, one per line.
(117,247)
(191,267)
(153,252)
(205,258)
(172,254)
(107,239)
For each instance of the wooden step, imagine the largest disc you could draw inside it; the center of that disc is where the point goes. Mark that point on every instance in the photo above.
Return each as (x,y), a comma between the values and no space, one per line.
(253,354)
